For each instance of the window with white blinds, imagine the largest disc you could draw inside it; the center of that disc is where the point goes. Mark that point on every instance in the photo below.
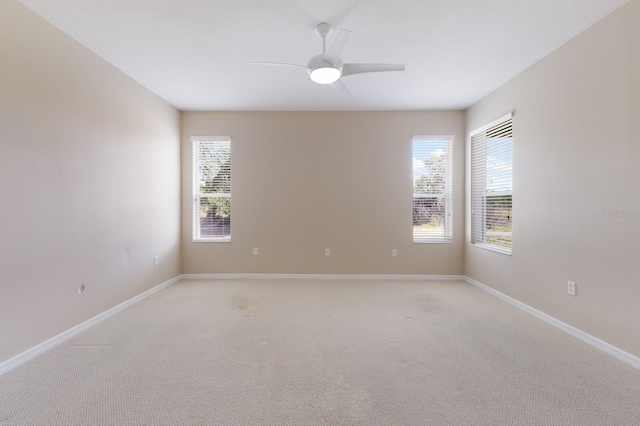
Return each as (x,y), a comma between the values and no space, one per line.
(211,188)
(491,185)
(432,183)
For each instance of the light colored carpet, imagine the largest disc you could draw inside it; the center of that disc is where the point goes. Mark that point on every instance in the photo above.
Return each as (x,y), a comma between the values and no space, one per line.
(321,352)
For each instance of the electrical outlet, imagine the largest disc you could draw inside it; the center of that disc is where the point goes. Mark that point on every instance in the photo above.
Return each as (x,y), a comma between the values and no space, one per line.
(156,260)
(571,288)
(394,252)
(327,252)
(256,251)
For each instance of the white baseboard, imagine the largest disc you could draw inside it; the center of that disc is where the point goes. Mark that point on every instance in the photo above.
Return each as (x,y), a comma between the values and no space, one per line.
(322,277)
(614,351)
(29,354)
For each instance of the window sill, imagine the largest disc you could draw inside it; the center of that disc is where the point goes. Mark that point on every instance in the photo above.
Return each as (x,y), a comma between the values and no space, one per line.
(491,247)
(433,241)
(213,240)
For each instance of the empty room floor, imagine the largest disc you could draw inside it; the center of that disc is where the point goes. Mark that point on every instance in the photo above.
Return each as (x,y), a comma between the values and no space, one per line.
(321,352)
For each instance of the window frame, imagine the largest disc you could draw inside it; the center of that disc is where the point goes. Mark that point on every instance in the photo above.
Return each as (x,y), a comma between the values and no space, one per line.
(475,234)
(197,195)
(447,195)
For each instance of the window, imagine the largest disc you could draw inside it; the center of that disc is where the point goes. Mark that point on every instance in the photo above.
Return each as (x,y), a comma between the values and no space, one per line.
(211,188)
(432,160)
(491,185)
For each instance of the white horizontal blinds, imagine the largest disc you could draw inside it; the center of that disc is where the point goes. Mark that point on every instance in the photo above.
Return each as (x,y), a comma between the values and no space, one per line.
(432,183)
(211,189)
(491,185)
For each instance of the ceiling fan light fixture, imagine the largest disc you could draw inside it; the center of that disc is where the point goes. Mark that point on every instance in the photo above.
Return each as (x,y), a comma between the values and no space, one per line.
(327,67)
(325,75)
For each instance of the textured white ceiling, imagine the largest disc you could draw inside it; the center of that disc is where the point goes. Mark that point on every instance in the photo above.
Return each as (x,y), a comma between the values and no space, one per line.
(195,53)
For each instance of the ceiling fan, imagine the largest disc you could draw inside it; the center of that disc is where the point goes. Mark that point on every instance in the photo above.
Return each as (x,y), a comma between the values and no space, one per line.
(328,68)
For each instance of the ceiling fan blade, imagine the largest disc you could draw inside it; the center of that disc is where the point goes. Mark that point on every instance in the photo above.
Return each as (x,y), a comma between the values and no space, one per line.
(342,88)
(334,52)
(294,88)
(278,64)
(350,69)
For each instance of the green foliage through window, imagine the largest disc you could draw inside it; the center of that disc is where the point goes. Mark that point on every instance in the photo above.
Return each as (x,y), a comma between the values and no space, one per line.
(431,190)
(212,192)
(491,185)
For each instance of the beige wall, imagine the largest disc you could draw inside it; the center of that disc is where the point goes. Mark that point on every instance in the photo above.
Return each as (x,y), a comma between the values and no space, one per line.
(576,153)
(89,183)
(303,182)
